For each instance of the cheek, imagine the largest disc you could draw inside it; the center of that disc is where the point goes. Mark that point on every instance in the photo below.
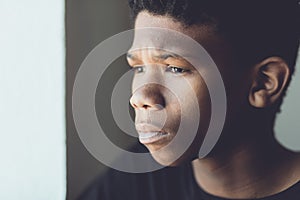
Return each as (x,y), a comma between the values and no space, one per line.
(187,91)
(137,82)
(199,90)
(203,104)
(190,95)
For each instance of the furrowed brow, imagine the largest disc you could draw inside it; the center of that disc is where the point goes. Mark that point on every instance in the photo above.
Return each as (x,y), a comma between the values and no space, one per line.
(160,56)
(165,56)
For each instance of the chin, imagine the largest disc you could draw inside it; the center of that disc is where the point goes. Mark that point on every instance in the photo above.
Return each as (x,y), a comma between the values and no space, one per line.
(173,156)
(169,158)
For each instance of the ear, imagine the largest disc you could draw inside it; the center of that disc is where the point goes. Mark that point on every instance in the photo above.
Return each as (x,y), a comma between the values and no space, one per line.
(269,80)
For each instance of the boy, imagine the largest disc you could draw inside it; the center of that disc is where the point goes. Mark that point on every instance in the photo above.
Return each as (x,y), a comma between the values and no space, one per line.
(254,45)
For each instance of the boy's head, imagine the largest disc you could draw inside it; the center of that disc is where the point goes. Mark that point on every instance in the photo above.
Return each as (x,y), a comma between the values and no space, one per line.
(254,45)
(257,29)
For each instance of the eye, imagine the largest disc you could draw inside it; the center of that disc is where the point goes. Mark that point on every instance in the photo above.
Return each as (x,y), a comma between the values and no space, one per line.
(176,70)
(138,69)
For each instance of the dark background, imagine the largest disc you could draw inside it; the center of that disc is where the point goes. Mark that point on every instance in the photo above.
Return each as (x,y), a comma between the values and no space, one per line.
(88,22)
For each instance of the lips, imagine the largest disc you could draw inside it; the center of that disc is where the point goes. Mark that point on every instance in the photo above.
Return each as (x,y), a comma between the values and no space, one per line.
(149,133)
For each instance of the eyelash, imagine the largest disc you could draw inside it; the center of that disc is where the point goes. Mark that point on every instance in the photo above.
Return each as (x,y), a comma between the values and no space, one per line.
(137,69)
(174,69)
(170,68)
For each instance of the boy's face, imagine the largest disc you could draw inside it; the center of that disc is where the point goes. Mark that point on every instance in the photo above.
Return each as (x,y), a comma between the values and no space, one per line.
(160,108)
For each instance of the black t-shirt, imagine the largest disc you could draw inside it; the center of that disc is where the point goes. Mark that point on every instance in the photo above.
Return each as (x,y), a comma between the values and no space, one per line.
(170,183)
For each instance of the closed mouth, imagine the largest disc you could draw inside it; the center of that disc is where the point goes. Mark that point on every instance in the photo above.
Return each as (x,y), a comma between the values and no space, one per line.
(149,133)
(151,137)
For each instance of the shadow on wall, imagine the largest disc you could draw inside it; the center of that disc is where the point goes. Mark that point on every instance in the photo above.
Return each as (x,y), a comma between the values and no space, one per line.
(87,24)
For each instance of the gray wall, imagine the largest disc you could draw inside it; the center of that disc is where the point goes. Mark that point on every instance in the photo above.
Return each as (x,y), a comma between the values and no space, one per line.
(88,22)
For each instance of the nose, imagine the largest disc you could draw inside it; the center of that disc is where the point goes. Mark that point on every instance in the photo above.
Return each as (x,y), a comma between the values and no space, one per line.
(148,97)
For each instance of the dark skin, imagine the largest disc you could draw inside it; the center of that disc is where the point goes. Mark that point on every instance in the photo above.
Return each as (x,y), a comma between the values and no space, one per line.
(247,161)
(254,165)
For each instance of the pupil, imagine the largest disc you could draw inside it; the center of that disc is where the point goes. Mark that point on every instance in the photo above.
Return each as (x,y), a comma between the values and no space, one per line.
(177,69)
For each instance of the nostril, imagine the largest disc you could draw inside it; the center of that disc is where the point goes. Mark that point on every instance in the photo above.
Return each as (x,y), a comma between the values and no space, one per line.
(134,105)
(151,106)
(145,105)
(149,97)
(132,102)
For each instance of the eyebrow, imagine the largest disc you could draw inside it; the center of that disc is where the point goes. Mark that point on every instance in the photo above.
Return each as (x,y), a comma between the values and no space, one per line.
(162,56)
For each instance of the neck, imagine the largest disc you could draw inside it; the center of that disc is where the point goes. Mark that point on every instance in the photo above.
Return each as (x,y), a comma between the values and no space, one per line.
(245,167)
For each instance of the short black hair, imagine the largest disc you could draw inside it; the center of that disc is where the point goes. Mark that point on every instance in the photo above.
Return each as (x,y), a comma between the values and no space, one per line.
(257,29)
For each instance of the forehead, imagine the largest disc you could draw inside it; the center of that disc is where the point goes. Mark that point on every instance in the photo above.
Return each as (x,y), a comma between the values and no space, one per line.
(145,19)
(171,34)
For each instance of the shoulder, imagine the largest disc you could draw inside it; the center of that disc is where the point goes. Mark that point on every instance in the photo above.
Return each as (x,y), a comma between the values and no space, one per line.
(115,185)
(297,166)
(112,185)
(291,177)
(291,193)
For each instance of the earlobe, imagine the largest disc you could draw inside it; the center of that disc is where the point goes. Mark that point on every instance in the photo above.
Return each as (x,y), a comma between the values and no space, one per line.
(269,80)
